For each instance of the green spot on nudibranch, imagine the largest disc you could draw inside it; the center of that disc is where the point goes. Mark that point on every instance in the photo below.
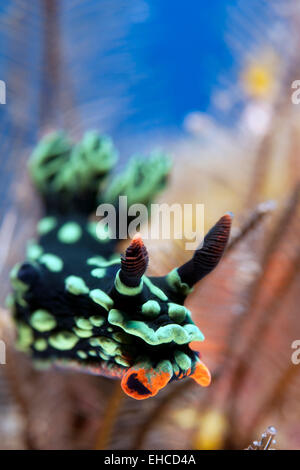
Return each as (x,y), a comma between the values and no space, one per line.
(176,369)
(70,232)
(33,251)
(155,290)
(82,354)
(176,284)
(40,344)
(176,312)
(97,320)
(41,320)
(103,233)
(165,366)
(103,356)
(76,285)
(99,231)
(122,361)
(52,262)
(83,323)
(9,301)
(93,353)
(125,290)
(25,337)
(63,340)
(14,274)
(101,298)
(46,224)
(183,360)
(19,286)
(114,257)
(102,262)
(151,308)
(96,260)
(82,333)
(98,272)
(107,344)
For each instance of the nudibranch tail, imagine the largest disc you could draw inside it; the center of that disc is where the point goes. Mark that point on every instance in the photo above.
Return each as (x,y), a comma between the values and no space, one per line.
(77,303)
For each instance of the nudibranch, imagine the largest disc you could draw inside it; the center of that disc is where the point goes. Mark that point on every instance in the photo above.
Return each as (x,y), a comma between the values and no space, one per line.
(77,303)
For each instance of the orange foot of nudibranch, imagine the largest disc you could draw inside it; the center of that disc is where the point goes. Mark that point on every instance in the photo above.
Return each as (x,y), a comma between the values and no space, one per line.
(201,374)
(142,381)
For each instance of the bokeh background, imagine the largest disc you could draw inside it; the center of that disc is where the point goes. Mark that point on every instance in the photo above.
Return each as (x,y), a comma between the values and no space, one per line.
(210,83)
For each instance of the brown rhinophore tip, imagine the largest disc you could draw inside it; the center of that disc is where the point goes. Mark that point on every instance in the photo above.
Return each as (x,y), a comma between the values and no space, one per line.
(135,261)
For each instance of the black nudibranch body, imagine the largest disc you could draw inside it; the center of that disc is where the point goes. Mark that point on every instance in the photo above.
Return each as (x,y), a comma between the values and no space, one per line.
(76,303)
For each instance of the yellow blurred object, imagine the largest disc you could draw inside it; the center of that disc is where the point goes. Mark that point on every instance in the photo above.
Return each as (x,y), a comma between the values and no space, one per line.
(185,417)
(259,80)
(211,431)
